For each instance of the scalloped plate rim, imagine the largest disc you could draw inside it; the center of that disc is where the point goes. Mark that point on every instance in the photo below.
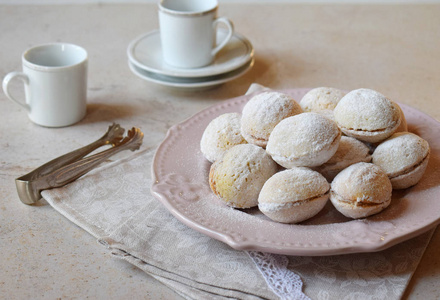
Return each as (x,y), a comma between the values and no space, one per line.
(252,245)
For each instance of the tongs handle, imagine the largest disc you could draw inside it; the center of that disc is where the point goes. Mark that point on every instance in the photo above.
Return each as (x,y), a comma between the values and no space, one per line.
(73,165)
(114,134)
(78,168)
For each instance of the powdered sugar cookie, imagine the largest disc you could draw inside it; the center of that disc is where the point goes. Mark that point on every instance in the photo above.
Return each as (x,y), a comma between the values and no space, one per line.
(361,190)
(263,112)
(321,98)
(367,115)
(239,175)
(350,151)
(404,157)
(293,195)
(220,135)
(304,140)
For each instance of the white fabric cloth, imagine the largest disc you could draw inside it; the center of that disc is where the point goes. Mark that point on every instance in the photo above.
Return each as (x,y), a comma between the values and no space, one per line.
(114,204)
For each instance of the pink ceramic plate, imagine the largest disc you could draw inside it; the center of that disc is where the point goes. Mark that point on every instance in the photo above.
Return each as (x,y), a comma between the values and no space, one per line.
(180,174)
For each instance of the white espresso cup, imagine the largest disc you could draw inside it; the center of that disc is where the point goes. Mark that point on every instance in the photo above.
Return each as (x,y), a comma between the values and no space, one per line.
(55,81)
(188,30)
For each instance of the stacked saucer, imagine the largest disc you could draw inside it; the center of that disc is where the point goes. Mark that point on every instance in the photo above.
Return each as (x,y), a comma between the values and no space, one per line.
(145,60)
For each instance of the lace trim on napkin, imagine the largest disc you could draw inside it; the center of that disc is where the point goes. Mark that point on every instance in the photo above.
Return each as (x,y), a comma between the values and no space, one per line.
(284,283)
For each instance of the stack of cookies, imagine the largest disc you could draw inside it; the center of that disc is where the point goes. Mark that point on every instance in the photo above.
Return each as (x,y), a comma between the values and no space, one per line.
(289,158)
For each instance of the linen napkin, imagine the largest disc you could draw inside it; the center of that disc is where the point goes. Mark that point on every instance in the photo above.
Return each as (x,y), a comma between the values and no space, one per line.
(114,204)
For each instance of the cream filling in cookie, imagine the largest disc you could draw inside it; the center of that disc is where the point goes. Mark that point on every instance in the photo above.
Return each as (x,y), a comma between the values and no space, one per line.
(410,169)
(355,203)
(372,132)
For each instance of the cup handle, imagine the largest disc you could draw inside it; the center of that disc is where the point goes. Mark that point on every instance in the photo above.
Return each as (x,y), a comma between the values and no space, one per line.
(19,75)
(230,27)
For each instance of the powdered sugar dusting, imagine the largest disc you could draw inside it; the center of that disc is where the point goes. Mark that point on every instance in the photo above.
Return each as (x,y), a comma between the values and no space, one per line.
(350,151)
(362,182)
(263,112)
(366,110)
(220,135)
(400,153)
(303,140)
(239,175)
(321,98)
(292,185)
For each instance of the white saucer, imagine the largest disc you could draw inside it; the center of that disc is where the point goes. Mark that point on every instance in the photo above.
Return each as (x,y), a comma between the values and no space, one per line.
(190,82)
(146,53)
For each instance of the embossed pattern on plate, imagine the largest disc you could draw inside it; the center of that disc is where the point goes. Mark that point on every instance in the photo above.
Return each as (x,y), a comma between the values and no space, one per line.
(180,175)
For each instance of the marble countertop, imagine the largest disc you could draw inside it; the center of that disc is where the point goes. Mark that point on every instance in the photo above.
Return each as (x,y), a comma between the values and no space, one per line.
(393,49)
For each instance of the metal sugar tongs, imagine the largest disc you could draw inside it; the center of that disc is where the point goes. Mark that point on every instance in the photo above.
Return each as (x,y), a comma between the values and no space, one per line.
(69,167)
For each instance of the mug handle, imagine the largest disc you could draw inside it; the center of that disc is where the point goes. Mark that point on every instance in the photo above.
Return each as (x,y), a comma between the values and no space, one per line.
(19,75)
(230,27)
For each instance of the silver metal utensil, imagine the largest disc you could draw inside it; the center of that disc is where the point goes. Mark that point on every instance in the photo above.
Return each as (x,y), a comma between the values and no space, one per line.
(71,166)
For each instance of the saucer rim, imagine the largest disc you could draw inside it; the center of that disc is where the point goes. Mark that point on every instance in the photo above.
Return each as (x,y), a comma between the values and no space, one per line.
(196,85)
(189,73)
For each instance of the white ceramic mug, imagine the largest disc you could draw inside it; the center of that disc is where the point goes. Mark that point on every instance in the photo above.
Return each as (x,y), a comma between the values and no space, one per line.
(55,81)
(188,32)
